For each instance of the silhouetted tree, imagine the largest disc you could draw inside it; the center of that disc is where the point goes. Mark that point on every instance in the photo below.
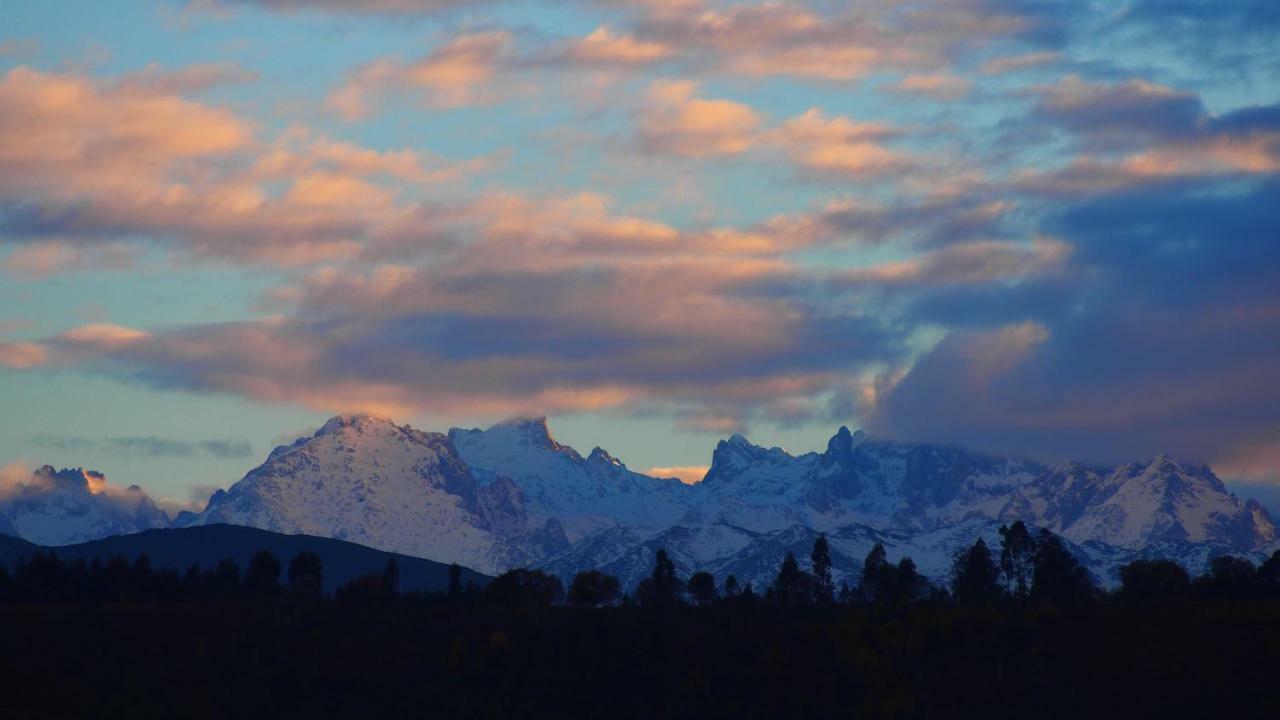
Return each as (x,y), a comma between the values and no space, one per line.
(455,581)
(907,584)
(823,585)
(731,588)
(521,587)
(1230,578)
(662,588)
(592,588)
(792,586)
(262,577)
(391,576)
(364,590)
(702,588)
(876,576)
(225,580)
(1269,576)
(306,575)
(1017,559)
(975,579)
(1148,580)
(846,594)
(1057,577)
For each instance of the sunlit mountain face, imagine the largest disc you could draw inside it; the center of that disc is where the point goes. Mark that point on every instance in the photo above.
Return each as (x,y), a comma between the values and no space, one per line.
(1037,231)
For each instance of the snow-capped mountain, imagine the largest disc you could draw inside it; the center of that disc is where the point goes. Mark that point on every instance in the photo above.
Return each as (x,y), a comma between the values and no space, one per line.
(61,507)
(583,494)
(367,480)
(512,496)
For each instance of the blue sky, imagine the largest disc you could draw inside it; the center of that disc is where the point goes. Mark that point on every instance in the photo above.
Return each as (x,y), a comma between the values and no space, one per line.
(1035,227)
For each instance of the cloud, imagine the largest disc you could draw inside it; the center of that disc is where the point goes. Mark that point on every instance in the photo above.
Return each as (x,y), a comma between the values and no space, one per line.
(938,86)
(16,479)
(84,163)
(454,75)
(841,44)
(837,146)
(687,474)
(12,476)
(978,262)
(674,122)
(158,80)
(1016,63)
(1118,115)
(354,7)
(1163,337)
(550,305)
(606,47)
(147,446)
(38,260)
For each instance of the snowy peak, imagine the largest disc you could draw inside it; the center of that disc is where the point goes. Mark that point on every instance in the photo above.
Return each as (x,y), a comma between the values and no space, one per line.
(737,456)
(59,507)
(1135,505)
(527,432)
(357,422)
(600,456)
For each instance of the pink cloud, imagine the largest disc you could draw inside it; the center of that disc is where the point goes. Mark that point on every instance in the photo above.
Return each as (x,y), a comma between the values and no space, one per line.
(837,146)
(939,86)
(94,163)
(674,122)
(454,75)
(687,474)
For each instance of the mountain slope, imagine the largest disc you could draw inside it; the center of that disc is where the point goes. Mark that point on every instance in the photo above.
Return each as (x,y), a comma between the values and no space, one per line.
(179,549)
(59,507)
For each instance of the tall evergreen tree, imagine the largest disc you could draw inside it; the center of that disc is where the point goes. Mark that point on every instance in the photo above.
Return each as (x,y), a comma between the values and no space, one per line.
(975,579)
(1269,576)
(791,586)
(702,588)
(306,575)
(263,574)
(907,583)
(876,575)
(663,587)
(731,588)
(1017,559)
(823,586)
(1057,577)
(391,577)
(455,581)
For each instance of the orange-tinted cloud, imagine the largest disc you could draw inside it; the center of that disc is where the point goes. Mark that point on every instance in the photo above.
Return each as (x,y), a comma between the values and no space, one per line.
(454,75)
(93,163)
(675,122)
(687,474)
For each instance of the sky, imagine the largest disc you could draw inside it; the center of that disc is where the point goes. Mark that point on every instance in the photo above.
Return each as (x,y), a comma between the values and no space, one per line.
(1044,228)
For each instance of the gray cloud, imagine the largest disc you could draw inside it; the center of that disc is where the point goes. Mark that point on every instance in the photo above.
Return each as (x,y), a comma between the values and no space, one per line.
(147,446)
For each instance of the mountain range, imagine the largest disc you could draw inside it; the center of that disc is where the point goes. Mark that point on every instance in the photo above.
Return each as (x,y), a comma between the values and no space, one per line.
(512,496)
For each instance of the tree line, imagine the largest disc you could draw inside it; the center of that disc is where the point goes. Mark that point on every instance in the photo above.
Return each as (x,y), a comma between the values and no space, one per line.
(1027,568)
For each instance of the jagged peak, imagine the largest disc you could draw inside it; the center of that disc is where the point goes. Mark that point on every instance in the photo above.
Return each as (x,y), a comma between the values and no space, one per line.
(843,442)
(531,429)
(737,440)
(356,420)
(600,455)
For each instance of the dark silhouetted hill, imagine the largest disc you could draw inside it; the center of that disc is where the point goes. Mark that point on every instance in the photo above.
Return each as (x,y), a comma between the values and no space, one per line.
(206,546)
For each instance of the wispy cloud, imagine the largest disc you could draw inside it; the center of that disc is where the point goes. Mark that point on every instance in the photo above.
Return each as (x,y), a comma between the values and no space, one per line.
(146,446)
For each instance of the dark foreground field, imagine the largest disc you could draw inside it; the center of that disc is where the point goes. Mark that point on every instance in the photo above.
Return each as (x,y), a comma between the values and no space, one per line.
(1184,659)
